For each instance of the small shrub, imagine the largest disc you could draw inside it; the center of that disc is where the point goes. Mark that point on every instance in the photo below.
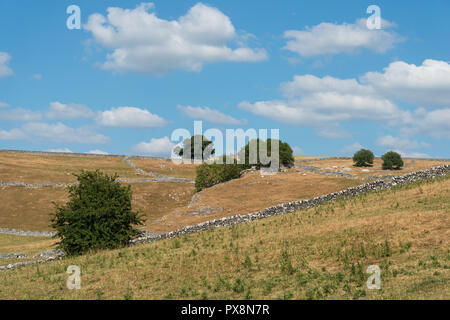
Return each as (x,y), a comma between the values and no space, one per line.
(209,175)
(392,160)
(363,158)
(238,285)
(247,263)
(98,215)
(286,263)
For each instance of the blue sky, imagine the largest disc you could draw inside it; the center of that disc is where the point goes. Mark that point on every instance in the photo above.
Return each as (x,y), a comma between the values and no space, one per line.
(133,74)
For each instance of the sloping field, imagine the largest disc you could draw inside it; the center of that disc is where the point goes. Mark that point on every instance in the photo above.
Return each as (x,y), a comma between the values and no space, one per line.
(29,208)
(24,244)
(167,205)
(166,167)
(319,253)
(250,193)
(32,168)
(375,170)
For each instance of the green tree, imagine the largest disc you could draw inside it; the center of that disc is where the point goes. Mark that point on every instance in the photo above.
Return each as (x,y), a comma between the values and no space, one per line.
(363,158)
(98,215)
(206,145)
(392,160)
(215,173)
(285,153)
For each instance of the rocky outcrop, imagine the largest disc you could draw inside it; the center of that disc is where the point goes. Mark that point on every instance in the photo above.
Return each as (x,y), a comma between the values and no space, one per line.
(13,256)
(18,232)
(324,172)
(35,185)
(27,263)
(50,253)
(45,256)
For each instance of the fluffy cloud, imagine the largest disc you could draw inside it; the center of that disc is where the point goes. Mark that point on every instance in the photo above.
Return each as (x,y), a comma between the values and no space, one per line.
(297,151)
(19,114)
(427,85)
(13,134)
(129,117)
(58,110)
(142,42)
(434,123)
(5,70)
(210,115)
(64,150)
(4,105)
(401,143)
(351,149)
(156,147)
(317,101)
(97,151)
(330,38)
(60,133)
(325,102)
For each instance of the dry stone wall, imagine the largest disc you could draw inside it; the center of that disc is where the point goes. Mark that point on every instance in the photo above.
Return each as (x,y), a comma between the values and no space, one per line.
(303,204)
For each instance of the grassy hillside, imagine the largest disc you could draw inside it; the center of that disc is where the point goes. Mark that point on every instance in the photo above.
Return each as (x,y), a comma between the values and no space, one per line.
(320,253)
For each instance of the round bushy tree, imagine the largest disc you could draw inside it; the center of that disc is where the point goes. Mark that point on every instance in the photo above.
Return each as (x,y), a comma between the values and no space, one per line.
(392,160)
(98,215)
(207,147)
(363,158)
(285,153)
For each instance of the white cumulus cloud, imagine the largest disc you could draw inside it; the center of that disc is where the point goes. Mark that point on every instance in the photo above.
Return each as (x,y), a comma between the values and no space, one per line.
(19,114)
(310,100)
(427,85)
(5,70)
(156,147)
(433,123)
(62,150)
(330,38)
(13,134)
(97,151)
(401,143)
(351,149)
(60,133)
(140,41)
(210,115)
(129,117)
(58,110)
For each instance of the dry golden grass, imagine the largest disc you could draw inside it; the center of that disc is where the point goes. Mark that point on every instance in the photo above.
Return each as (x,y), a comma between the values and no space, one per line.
(375,170)
(165,204)
(33,168)
(29,209)
(166,167)
(308,157)
(251,193)
(157,199)
(320,253)
(24,244)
